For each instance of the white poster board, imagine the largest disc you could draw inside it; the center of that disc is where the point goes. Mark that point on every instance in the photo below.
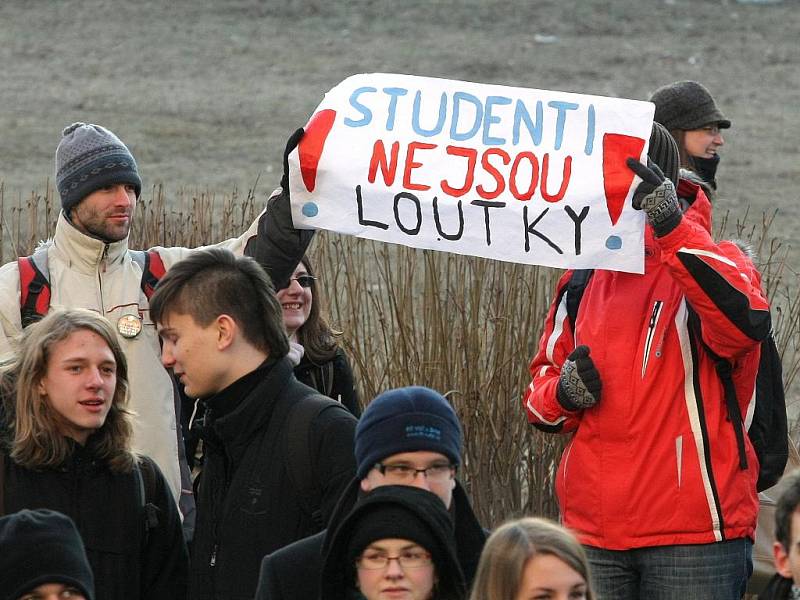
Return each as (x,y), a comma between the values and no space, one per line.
(514,174)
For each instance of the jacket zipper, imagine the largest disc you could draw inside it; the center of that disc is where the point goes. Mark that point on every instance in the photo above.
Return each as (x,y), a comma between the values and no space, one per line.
(103,260)
(651,330)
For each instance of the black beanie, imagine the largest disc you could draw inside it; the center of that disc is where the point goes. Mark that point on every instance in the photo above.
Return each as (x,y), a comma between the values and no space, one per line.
(90,157)
(686,105)
(408,419)
(663,150)
(393,511)
(38,547)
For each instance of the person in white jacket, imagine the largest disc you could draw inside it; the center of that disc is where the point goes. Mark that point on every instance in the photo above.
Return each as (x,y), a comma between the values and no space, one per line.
(89,265)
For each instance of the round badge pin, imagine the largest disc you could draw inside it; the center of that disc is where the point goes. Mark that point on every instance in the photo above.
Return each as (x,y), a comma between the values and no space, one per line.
(129,326)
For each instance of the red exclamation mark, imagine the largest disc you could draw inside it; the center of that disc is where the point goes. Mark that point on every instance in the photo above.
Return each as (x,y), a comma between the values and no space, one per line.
(311,145)
(617,177)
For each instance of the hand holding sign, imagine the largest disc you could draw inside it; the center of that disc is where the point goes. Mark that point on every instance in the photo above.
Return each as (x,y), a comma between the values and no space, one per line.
(514,174)
(291,144)
(656,196)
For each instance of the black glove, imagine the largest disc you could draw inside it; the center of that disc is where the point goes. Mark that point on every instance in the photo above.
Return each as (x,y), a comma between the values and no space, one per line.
(656,196)
(579,385)
(279,247)
(291,144)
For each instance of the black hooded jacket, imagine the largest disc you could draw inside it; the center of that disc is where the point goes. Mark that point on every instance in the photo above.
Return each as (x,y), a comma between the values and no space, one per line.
(247,501)
(129,561)
(384,512)
(295,571)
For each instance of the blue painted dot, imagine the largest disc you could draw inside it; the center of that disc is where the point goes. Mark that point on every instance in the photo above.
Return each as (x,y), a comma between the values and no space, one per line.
(614,242)
(310,209)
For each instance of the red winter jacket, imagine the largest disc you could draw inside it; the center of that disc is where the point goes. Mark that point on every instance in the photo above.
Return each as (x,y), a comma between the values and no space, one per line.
(655,462)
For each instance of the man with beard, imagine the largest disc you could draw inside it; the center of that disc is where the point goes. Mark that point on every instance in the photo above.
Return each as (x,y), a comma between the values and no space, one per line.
(88,264)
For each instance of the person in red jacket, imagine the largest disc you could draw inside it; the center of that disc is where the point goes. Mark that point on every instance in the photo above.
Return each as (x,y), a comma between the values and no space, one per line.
(650,480)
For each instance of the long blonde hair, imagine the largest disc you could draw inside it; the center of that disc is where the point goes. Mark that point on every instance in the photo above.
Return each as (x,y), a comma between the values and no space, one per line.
(35,440)
(512,545)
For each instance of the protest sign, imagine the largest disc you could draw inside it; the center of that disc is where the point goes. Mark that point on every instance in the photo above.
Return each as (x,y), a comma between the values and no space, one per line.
(515,174)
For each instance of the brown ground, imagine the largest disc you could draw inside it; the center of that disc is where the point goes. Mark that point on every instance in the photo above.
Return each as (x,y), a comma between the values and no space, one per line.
(205,92)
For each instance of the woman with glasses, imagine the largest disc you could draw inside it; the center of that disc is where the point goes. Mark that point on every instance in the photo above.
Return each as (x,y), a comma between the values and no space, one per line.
(68,449)
(688,111)
(532,558)
(396,543)
(321,362)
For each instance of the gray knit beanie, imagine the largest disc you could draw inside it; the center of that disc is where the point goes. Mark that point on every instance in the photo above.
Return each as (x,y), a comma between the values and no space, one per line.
(90,157)
(686,105)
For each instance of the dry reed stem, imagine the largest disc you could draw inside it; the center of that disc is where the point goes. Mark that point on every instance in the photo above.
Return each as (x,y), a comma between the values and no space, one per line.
(462,325)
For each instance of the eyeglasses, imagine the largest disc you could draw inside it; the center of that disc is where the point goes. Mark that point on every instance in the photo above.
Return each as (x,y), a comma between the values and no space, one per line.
(437,473)
(711,129)
(305,281)
(64,594)
(412,559)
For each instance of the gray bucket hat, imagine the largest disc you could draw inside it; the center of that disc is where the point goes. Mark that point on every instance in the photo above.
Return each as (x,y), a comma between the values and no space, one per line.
(687,105)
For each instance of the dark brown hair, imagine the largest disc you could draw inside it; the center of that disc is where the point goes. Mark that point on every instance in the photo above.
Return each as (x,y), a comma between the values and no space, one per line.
(316,335)
(213,282)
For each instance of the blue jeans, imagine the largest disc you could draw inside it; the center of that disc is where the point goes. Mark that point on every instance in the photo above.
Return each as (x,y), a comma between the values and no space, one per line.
(687,572)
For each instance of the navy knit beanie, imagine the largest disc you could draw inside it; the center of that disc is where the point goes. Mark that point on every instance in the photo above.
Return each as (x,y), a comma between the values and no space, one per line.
(687,105)
(90,157)
(38,547)
(408,419)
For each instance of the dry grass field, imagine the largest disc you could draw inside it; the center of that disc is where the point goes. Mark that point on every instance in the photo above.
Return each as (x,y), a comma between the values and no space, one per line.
(206,92)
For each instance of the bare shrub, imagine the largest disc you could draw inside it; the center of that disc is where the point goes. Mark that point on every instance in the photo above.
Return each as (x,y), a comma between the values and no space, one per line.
(465,326)
(462,325)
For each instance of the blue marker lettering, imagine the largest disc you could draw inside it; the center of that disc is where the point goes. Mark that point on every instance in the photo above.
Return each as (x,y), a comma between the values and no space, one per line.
(521,115)
(367,113)
(394,93)
(489,119)
(458,97)
(562,108)
(589,148)
(440,121)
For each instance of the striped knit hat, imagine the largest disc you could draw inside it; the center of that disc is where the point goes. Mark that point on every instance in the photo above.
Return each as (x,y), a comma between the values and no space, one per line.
(90,157)
(663,150)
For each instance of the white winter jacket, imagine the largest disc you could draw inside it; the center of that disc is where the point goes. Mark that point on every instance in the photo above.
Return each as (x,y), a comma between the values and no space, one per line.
(85,272)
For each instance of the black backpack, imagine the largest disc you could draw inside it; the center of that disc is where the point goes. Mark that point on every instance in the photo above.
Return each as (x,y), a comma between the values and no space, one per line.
(768,431)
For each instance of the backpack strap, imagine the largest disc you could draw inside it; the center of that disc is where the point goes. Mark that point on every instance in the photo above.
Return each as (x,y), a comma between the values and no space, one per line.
(146,490)
(34,286)
(325,371)
(2,483)
(725,373)
(575,288)
(299,464)
(153,269)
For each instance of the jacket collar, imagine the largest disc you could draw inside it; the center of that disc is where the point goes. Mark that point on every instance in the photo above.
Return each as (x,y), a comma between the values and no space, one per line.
(260,388)
(85,253)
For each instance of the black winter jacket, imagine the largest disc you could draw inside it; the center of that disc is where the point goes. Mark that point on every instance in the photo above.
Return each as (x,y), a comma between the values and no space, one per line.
(778,588)
(294,571)
(247,503)
(107,508)
(333,378)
